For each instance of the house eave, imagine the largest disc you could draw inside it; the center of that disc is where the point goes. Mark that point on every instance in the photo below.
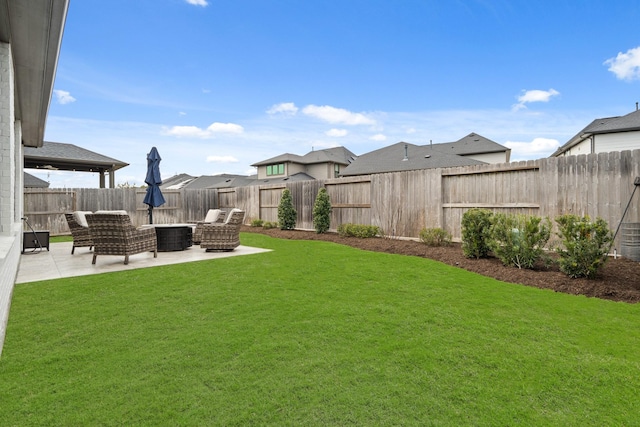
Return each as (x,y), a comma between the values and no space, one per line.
(34,29)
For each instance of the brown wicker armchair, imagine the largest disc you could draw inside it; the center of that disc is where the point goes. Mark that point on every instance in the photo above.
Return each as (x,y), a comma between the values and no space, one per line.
(213,215)
(225,236)
(113,234)
(79,232)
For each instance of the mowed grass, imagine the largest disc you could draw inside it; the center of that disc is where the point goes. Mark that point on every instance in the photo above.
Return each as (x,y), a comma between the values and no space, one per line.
(315,334)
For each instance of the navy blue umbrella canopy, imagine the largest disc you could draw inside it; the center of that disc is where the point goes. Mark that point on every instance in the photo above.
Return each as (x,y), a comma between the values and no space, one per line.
(153,197)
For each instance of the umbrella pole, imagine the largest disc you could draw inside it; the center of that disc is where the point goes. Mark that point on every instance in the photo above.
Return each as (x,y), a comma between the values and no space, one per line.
(150,214)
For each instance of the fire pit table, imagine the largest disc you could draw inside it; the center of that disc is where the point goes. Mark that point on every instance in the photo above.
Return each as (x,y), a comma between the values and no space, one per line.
(173,237)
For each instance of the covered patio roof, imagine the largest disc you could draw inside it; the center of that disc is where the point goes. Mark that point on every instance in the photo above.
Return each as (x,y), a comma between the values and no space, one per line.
(69,157)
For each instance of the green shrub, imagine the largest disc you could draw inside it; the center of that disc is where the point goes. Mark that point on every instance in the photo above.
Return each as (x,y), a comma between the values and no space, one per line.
(519,240)
(268,224)
(476,224)
(358,230)
(322,211)
(286,212)
(586,245)
(257,223)
(435,237)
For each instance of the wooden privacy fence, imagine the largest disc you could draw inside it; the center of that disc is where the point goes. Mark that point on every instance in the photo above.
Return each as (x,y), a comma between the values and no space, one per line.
(401,203)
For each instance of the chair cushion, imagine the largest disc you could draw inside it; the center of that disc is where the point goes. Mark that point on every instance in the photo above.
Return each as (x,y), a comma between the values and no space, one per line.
(212,215)
(121,212)
(231,214)
(81,219)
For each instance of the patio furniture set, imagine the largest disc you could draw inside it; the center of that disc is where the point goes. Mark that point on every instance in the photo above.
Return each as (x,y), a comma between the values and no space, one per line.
(112,233)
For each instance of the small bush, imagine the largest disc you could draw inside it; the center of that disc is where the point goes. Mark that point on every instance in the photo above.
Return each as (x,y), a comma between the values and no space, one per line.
(435,237)
(519,240)
(268,224)
(476,225)
(286,212)
(358,230)
(586,245)
(322,211)
(257,223)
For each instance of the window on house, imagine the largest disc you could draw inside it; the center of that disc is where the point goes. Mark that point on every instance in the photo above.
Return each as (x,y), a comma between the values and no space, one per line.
(277,169)
(336,170)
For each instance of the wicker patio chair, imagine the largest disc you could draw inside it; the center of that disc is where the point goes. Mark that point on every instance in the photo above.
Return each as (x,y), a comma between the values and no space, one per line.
(223,236)
(213,216)
(113,234)
(79,230)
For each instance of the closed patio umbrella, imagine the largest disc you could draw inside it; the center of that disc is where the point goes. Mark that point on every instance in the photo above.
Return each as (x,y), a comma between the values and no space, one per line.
(153,197)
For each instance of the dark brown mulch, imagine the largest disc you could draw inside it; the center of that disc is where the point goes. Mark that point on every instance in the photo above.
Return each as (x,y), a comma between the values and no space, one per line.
(618,280)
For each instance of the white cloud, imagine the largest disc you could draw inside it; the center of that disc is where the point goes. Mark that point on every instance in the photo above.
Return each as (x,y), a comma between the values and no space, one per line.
(210,132)
(287,108)
(537,148)
(529,96)
(225,128)
(221,159)
(337,115)
(197,2)
(378,137)
(626,66)
(337,132)
(63,97)
(182,113)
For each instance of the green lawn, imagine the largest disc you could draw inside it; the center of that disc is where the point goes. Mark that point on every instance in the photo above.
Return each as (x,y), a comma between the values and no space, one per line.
(315,334)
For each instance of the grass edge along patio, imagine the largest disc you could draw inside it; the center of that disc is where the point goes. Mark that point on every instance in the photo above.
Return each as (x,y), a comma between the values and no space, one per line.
(314,333)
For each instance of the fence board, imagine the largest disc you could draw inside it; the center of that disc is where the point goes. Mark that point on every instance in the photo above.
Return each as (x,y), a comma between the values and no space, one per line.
(400,203)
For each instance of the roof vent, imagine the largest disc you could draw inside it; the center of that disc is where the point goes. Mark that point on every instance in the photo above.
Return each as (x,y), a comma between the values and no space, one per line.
(406,153)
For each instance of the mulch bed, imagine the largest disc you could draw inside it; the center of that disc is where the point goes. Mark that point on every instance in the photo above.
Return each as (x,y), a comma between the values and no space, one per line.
(618,280)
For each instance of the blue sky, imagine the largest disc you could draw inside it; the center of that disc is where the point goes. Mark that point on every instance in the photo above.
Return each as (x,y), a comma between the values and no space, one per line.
(217,85)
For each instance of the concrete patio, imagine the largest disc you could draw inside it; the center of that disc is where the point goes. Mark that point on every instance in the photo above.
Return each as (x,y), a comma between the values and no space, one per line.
(58,261)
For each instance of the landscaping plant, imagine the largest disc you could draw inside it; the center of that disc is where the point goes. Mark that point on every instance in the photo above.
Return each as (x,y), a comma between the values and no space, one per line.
(435,237)
(286,212)
(358,230)
(586,245)
(322,211)
(476,225)
(519,240)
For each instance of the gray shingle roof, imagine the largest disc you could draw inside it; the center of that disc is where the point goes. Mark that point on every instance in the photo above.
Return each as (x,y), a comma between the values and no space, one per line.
(207,181)
(339,155)
(31,181)
(628,122)
(300,176)
(68,157)
(471,144)
(393,159)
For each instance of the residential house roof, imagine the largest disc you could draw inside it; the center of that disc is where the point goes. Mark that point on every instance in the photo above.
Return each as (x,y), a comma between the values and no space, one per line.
(176,182)
(339,155)
(31,181)
(470,145)
(404,156)
(626,123)
(300,176)
(60,156)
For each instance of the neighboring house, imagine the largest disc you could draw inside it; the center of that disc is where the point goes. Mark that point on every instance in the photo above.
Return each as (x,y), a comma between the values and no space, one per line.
(319,164)
(31,181)
(605,135)
(207,181)
(473,149)
(69,157)
(30,40)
